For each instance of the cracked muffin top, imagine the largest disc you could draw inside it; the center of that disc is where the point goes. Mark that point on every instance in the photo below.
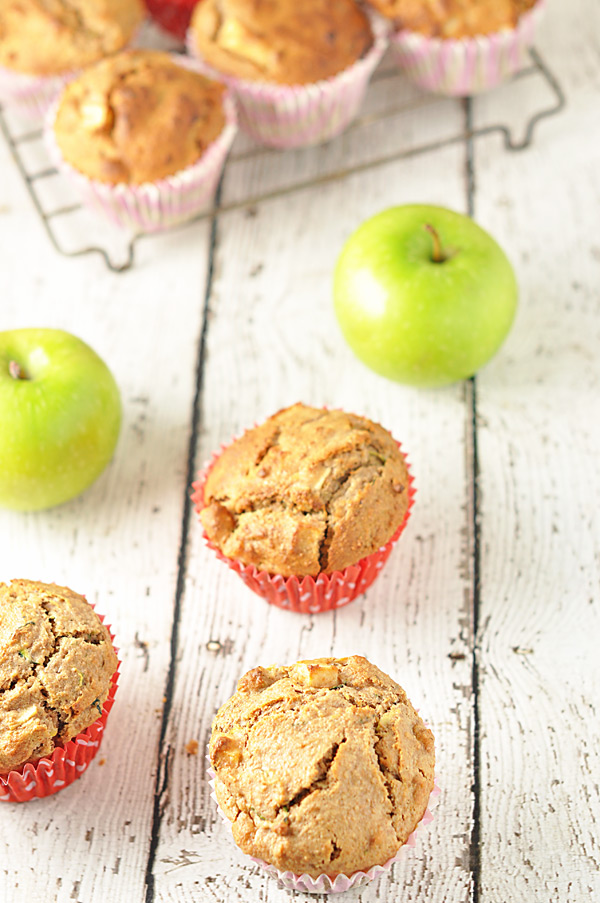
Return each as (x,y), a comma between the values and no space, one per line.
(453,19)
(308,491)
(280,41)
(137,117)
(56,664)
(47,37)
(322,767)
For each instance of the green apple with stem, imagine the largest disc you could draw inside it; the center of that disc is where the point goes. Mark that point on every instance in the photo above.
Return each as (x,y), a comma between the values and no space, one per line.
(60,415)
(424,295)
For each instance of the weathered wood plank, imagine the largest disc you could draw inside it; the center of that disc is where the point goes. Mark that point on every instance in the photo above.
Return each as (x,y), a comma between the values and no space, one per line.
(118,543)
(272,340)
(539,441)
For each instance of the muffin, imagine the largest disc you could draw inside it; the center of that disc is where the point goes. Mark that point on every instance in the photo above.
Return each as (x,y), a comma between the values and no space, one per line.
(307,503)
(323,768)
(299,71)
(145,136)
(453,18)
(460,46)
(42,44)
(57,671)
(281,41)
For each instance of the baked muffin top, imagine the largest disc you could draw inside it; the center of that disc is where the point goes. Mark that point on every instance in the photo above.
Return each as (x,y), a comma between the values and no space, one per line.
(47,37)
(56,664)
(322,767)
(453,18)
(137,117)
(308,491)
(280,41)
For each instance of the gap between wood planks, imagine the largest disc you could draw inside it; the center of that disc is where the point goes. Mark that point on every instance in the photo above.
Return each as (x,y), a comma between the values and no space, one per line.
(471,396)
(162,769)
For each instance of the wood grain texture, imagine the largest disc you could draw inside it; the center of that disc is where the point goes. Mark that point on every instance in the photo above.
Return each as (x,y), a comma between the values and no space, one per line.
(118,543)
(539,448)
(271,341)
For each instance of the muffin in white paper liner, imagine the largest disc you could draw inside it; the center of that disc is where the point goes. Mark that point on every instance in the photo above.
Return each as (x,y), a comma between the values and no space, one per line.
(324,884)
(30,95)
(287,116)
(467,65)
(153,206)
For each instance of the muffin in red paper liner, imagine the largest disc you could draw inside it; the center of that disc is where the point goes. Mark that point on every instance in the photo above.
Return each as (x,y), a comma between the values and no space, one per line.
(298,71)
(306,507)
(43,46)
(143,136)
(172,15)
(323,771)
(58,679)
(461,48)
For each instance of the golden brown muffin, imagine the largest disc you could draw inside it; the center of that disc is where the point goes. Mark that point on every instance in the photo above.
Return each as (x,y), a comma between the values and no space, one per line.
(453,18)
(137,117)
(281,41)
(47,37)
(56,664)
(308,491)
(323,767)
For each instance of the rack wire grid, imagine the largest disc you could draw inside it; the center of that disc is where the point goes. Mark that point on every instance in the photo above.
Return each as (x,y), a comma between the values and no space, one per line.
(392,105)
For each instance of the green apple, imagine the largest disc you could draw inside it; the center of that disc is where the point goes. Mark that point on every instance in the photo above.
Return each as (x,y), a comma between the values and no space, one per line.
(60,415)
(423,295)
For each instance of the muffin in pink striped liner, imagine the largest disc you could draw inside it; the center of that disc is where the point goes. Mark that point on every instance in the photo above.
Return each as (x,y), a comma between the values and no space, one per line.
(470,62)
(306,507)
(304,79)
(144,137)
(43,46)
(58,678)
(323,771)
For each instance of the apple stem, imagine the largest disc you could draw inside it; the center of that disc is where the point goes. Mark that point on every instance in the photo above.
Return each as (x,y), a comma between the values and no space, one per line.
(438,255)
(16,371)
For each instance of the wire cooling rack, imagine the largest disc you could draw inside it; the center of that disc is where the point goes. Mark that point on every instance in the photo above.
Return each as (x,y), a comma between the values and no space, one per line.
(74,231)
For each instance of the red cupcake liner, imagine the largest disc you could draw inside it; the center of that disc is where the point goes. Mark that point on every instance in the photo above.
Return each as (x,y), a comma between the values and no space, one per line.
(48,775)
(172,15)
(307,595)
(323,884)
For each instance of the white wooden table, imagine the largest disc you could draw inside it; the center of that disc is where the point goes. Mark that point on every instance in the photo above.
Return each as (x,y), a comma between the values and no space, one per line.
(487,612)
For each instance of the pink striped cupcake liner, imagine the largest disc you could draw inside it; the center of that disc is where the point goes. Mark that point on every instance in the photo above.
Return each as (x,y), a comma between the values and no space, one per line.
(469,65)
(287,116)
(33,95)
(307,595)
(30,95)
(323,884)
(154,206)
(48,775)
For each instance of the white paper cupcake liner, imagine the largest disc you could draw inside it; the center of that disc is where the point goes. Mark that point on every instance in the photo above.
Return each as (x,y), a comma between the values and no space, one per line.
(469,65)
(153,206)
(31,95)
(288,116)
(324,884)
